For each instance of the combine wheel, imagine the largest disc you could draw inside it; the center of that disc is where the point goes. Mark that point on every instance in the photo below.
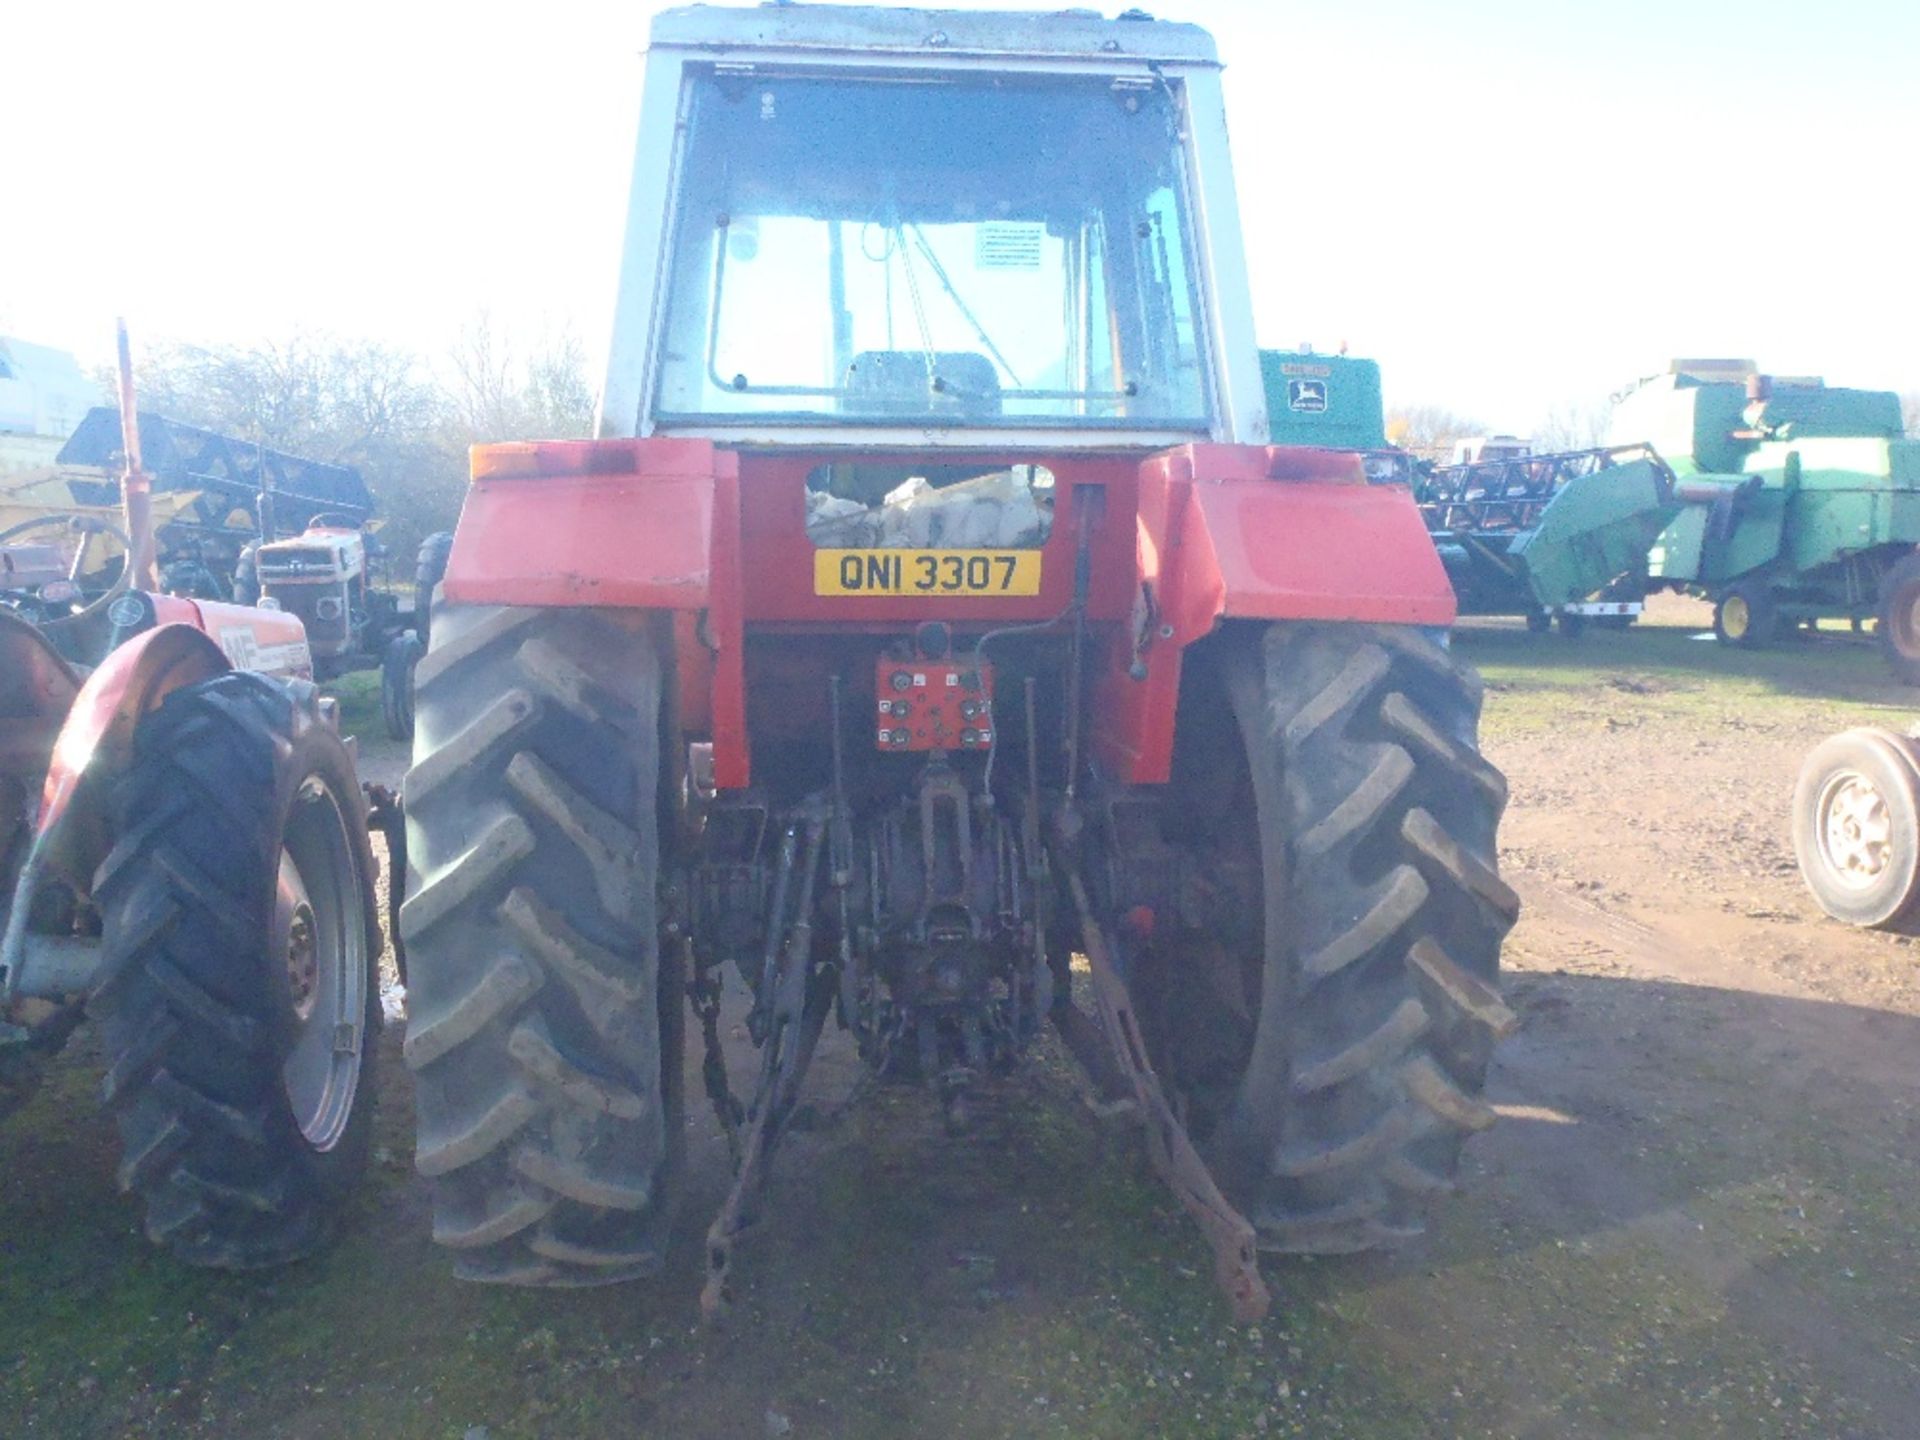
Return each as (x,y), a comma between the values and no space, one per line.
(1856,827)
(1744,615)
(241,1004)
(1899,627)
(396,683)
(1332,1071)
(545,1029)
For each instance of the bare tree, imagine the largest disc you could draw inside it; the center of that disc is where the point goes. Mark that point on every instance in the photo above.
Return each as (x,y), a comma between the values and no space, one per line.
(345,402)
(1429,431)
(503,390)
(1574,426)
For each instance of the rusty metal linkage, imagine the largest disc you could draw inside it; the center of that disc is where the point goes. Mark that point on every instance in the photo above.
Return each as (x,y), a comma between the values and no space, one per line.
(1236,1262)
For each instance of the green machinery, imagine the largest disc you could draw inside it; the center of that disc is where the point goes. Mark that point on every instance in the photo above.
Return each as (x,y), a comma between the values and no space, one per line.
(1545,536)
(1799,501)
(1520,534)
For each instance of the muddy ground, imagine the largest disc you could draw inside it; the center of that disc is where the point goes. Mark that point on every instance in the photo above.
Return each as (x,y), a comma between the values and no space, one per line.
(1695,1218)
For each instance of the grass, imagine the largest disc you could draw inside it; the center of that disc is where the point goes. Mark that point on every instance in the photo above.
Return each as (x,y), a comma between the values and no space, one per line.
(359,697)
(1668,673)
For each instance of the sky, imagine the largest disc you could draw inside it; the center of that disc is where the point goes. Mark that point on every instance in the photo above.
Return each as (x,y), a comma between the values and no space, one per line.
(1516,206)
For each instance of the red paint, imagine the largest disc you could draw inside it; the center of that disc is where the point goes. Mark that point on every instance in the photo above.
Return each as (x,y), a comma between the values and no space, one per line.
(1178,541)
(924,705)
(131,681)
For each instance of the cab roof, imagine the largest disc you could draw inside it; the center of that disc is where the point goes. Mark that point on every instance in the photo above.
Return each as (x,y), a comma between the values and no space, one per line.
(870,29)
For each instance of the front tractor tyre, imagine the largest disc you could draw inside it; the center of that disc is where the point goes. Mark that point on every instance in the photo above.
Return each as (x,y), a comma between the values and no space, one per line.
(545,1035)
(1331,1057)
(239,1004)
(1856,827)
(1745,616)
(1899,623)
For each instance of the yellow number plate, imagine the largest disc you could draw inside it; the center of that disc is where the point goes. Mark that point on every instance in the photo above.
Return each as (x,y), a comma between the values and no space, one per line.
(926,572)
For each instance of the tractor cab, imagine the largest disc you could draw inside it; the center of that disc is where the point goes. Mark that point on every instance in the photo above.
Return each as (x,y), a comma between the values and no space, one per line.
(885,226)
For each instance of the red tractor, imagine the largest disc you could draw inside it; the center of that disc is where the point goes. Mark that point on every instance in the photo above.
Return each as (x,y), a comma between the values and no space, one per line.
(184,860)
(934,609)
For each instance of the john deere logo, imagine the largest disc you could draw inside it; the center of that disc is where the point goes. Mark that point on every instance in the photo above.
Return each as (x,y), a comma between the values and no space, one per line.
(1309,396)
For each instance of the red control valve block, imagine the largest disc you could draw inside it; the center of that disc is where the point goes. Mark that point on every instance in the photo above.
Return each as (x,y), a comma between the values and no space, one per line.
(933,705)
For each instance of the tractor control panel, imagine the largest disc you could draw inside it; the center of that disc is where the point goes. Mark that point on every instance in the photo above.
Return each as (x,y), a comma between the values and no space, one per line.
(934,704)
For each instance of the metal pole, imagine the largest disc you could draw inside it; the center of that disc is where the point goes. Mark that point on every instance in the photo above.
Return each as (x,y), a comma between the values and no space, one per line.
(136,489)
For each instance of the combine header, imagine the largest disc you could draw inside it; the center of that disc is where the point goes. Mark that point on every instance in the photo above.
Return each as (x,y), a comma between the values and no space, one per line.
(1545,536)
(935,605)
(244,523)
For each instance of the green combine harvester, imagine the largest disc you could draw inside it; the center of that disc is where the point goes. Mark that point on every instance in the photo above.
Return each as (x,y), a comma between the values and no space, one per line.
(1800,502)
(1783,501)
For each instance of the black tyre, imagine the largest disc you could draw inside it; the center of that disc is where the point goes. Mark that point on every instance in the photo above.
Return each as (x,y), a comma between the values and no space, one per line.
(1572,625)
(1539,622)
(1331,1061)
(1856,827)
(1899,627)
(430,568)
(240,1009)
(545,1030)
(1744,615)
(396,683)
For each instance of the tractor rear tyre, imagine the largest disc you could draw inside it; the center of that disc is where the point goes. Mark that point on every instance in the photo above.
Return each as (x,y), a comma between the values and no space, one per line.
(1899,627)
(1332,1059)
(545,1034)
(240,1005)
(396,683)
(1856,827)
(1744,615)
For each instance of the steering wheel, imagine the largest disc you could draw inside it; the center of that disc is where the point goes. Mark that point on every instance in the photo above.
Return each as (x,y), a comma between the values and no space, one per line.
(88,526)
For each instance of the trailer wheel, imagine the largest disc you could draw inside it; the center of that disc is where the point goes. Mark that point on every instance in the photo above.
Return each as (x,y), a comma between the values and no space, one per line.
(396,683)
(241,1004)
(1331,1055)
(545,1029)
(1899,625)
(1744,615)
(1856,827)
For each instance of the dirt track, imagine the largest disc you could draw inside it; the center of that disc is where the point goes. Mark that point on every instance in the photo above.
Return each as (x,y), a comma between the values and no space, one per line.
(1694,1218)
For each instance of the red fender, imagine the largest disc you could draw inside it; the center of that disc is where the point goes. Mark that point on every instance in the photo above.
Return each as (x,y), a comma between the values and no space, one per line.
(98,732)
(1238,532)
(69,839)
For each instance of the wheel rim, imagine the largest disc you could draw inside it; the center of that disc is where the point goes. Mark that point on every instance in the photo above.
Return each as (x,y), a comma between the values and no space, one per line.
(1854,828)
(1735,616)
(320,936)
